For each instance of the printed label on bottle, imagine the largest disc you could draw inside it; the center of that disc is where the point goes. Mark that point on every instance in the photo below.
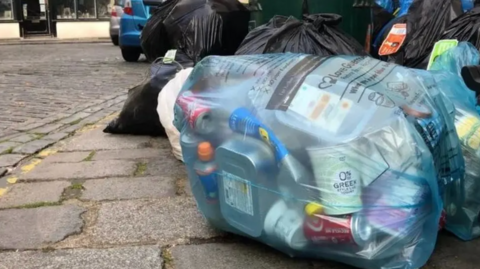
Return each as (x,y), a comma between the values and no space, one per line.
(430,130)
(238,193)
(346,181)
(394,40)
(323,108)
(210,186)
(337,178)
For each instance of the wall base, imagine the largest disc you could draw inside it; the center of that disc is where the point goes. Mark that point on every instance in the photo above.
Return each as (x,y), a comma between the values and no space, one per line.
(9,30)
(84,29)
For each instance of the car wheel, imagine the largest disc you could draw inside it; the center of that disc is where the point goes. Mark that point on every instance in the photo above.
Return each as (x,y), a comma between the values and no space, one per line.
(114,40)
(131,55)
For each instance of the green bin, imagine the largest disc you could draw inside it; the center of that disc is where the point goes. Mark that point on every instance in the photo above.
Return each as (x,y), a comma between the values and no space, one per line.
(355,21)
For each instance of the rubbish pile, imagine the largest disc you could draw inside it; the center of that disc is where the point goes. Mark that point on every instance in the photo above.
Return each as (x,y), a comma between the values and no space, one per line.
(465,27)
(198,28)
(462,203)
(193,29)
(339,158)
(139,113)
(316,34)
(309,143)
(409,38)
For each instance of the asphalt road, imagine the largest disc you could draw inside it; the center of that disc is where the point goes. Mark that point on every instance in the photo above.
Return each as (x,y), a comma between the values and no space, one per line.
(39,82)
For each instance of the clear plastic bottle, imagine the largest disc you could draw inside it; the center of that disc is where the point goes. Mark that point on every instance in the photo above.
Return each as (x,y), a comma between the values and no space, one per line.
(206,171)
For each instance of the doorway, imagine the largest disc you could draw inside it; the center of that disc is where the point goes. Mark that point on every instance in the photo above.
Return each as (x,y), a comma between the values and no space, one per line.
(36,18)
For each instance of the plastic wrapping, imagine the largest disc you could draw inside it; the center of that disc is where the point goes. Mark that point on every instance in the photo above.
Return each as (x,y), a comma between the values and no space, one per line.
(388,5)
(467,5)
(139,113)
(166,102)
(153,36)
(197,27)
(465,28)
(341,157)
(317,34)
(462,199)
(425,23)
(381,17)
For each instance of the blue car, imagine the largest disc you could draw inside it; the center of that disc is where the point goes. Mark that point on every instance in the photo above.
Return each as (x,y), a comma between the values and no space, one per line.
(134,18)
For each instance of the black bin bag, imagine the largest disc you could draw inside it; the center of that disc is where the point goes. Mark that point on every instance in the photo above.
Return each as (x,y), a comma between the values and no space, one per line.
(139,113)
(426,21)
(466,27)
(197,27)
(317,34)
(154,41)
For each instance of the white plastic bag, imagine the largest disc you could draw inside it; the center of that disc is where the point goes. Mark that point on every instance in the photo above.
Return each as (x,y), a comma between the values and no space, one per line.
(166,102)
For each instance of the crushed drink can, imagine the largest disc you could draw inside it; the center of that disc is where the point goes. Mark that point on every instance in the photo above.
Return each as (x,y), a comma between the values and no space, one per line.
(348,229)
(286,224)
(197,115)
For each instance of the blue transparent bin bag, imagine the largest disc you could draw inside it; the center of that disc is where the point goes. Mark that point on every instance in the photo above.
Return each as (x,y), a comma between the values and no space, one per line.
(338,158)
(462,199)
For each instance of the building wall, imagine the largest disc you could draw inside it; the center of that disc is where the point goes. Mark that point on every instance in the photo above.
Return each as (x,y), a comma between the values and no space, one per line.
(74,30)
(9,30)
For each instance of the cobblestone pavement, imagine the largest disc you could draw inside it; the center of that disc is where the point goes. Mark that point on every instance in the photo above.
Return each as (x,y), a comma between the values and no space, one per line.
(48,91)
(98,201)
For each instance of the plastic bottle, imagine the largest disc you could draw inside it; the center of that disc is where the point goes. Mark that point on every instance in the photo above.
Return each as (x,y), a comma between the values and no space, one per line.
(246,174)
(205,167)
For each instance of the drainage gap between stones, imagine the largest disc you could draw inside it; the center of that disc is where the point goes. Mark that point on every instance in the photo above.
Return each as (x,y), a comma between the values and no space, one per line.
(167,258)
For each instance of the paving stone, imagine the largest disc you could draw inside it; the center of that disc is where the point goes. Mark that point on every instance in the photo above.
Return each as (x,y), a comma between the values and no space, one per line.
(94,118)
(183,186)
(82,170)
(93,109)
(56,136)
(6,135)
(3,171)
(23,138)
(452,253)
(114,258)
(60,116)
(30,193)
(128,188)
(31,228)
(129,154)
(71,128)
(97,140)
(233,255)
(10,159)
(163,221)
(74,76)
(167,167)
(66,157)
(46,128)
(27,127)
(6,146)
(74,118)
(33,146)
(161,143)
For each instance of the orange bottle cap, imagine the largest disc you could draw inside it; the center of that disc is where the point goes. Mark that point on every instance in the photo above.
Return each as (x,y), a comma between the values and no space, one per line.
(205,151)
